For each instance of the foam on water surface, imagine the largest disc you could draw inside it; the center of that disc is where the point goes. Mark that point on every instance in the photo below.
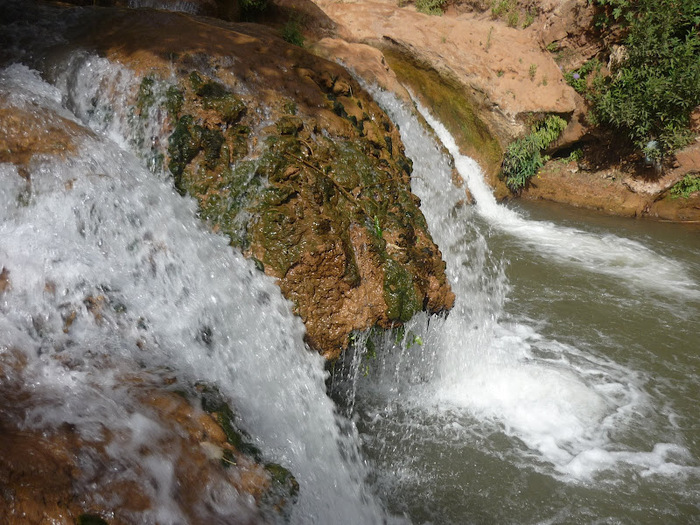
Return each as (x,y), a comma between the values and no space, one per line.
(481,372)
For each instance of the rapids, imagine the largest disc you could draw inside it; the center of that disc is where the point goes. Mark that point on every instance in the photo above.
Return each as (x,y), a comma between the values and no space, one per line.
(561,388)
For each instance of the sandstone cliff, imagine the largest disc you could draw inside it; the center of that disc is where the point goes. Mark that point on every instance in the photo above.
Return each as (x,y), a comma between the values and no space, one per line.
(488,70)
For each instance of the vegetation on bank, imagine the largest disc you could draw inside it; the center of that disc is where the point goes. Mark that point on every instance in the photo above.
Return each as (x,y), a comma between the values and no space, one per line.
(524,157)
(644,87)
(686,186)
(653,83)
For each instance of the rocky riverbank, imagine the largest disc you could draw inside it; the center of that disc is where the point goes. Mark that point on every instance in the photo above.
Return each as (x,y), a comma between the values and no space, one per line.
(495,69)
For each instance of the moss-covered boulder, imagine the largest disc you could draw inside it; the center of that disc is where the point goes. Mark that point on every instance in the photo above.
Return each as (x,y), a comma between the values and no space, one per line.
(288,156)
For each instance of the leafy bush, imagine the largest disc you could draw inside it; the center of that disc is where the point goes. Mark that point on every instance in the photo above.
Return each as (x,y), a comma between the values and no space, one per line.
(689,184)
(650,94)
(430,7)
(612,11)
(524,157)
(291,32)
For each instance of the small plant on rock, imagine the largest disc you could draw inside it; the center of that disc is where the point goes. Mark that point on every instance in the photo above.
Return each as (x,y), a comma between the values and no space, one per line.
(529,18)
(291,32)
(524,157)
(532,72)
(578,79)
(430,7)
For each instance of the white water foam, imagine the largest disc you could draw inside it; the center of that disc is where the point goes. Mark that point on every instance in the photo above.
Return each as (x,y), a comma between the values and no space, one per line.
(605,254)
(573,408)
(176,298)
(105,97)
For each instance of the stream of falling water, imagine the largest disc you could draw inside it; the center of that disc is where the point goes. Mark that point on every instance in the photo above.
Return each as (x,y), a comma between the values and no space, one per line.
(176,300)
(562,387)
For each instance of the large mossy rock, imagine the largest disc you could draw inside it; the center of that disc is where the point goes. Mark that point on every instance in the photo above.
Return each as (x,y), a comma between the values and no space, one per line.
(288,156)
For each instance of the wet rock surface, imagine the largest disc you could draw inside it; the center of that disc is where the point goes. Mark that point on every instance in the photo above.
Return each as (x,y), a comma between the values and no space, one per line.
(285,153)
(60,475)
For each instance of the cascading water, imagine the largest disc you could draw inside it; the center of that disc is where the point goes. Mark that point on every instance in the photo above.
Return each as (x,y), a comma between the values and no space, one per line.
(532,402)
(113,277)
(496,415)
(182,6)
(606,254)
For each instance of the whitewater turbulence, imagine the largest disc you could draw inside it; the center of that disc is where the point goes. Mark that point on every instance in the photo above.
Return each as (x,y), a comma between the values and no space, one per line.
(481,374)
(607,254)
(113,280)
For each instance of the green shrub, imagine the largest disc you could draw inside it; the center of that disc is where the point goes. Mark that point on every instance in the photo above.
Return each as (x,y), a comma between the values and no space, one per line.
(430,7)
(611,12)
(650,94)
(291,32)
(689,184)
(524,157)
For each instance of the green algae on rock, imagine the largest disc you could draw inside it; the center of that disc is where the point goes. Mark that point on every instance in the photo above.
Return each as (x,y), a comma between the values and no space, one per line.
(452,104)
(288,156)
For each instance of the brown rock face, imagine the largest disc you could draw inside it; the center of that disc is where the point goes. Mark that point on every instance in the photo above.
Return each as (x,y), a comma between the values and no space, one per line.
(622,188)
(504,67)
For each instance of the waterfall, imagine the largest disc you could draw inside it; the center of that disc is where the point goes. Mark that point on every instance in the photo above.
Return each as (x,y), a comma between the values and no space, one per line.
(95,227)
(608,254)
(486,414)
(485,376)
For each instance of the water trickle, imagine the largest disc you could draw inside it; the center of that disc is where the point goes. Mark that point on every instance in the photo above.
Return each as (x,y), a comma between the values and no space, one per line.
(113,277)
(182,6)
